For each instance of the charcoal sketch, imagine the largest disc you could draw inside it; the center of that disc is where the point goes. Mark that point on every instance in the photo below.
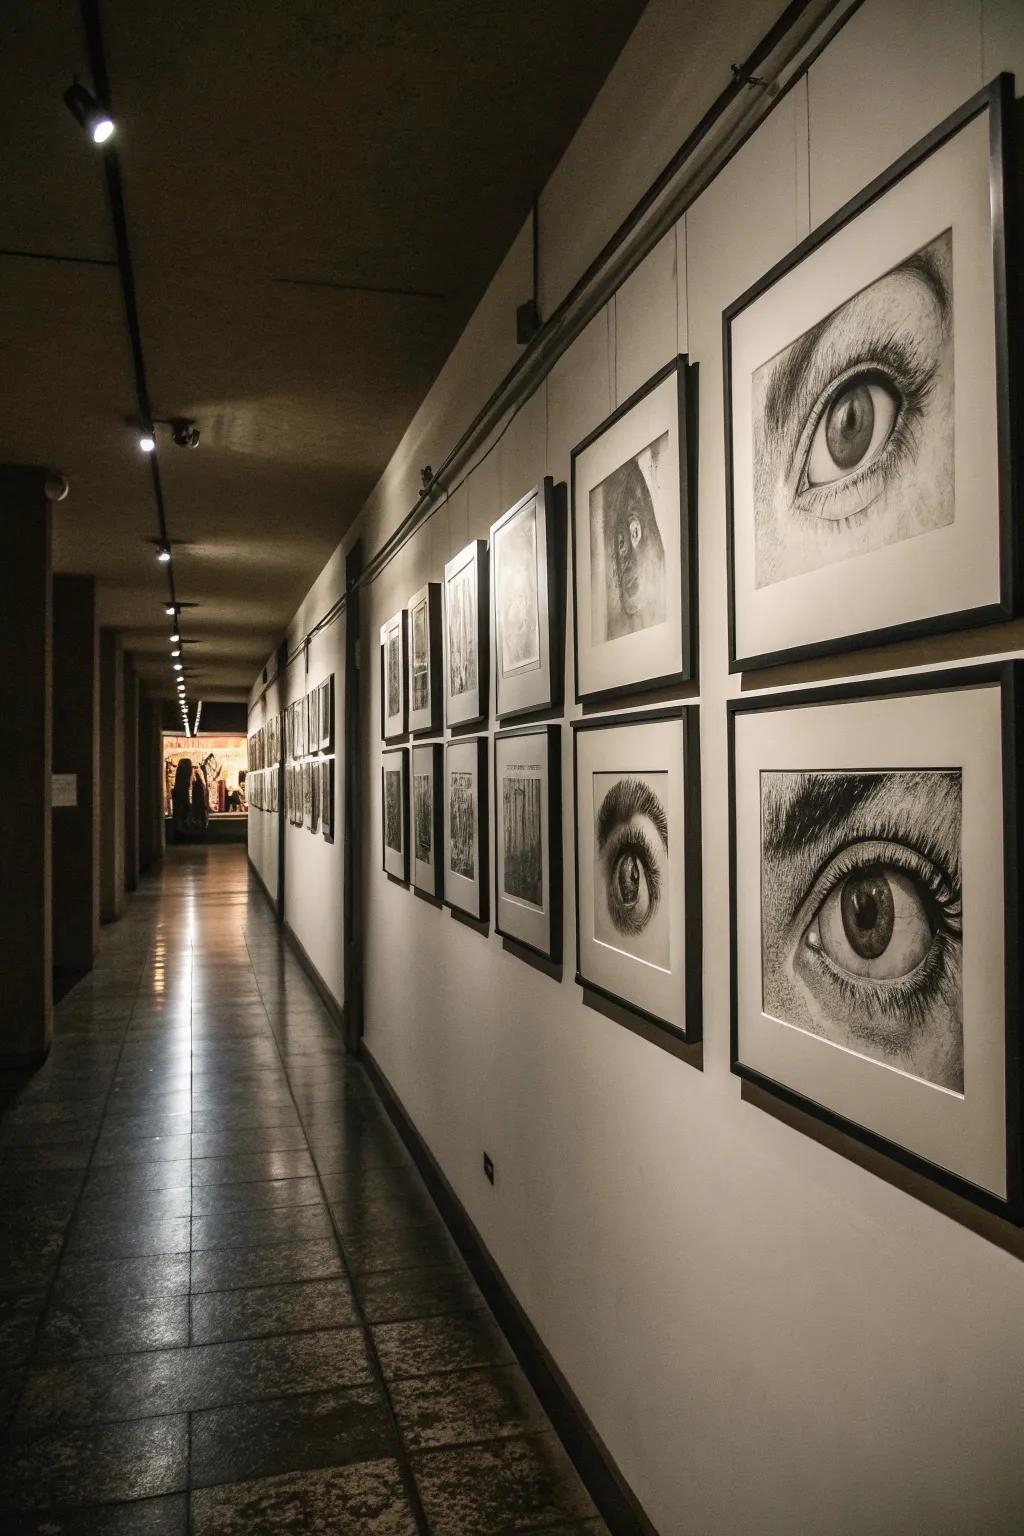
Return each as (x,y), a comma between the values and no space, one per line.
(420,657)
(862,913)
(627,551)
(393,809)
(631,908)
(461,621)
(516,594)
(462,825)
(523,840)
(853,424)
(423,816)
(327,797)
(393,702)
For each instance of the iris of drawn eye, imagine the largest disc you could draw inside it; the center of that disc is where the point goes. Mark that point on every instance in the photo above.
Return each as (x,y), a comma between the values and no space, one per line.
(875,924)
(853,430)
(634,885)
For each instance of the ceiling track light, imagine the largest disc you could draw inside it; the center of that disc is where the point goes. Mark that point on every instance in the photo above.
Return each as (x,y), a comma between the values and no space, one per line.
(147,442)
(176,651)
(163,553)
(86,110)
(175,638)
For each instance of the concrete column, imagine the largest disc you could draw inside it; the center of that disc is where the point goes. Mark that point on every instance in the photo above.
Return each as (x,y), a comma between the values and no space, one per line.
(151,785)
(131,776)
(111,776)
(76,746)
(26,645)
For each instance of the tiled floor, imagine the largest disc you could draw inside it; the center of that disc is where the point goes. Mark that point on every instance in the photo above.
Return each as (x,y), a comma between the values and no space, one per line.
(227,1304)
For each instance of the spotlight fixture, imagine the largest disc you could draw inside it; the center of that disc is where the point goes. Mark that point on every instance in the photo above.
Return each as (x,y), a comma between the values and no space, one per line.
(84,107)
(176,651)
(177,666)
(175,638)
(147,442)
(163,553)
(184,432)
(171,609)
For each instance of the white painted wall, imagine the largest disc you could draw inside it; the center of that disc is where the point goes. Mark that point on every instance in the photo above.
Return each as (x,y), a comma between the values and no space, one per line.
(769,1337)
(262,825)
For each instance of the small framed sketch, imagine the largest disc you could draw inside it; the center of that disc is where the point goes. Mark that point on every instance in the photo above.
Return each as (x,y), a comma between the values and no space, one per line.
(634,544)
(428,818)
(527,576)
(327,798)
(314,796)
(393,712)
(465,826)
(528,838)
(638,853)
(465,636)
(325,694)
(425,660)
(867,412)
(307,794)
(876,850)
(395,812)
(313,716)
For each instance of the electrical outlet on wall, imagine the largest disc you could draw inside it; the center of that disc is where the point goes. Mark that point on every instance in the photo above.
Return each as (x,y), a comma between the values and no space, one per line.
(488,1168)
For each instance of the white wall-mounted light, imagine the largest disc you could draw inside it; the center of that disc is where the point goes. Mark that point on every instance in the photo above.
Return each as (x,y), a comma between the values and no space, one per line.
(147,442)
(176,651)
(84,107)
(175,638)
(177,666)
(163,553)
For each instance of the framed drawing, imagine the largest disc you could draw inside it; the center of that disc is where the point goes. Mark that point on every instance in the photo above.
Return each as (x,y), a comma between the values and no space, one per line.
(314,795)
(297,791)
(395,812)
(327,798)
(427,818)
(875,916)
(869,453)
(465,826)
(425,660)
(393,704)
(307,794)
(325,695)
(527,588)
(528,838)
(465,636)
(313,712)
(638,863)
(634,543)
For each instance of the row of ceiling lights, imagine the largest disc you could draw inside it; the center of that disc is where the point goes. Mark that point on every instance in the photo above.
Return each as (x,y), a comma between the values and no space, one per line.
(100,127)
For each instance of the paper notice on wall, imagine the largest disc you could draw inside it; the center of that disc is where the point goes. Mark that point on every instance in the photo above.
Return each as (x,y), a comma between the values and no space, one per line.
(64,790)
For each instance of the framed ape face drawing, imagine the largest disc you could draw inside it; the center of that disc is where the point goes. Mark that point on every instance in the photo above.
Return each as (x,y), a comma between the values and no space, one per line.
(465,636)
(465,826)
(875,855)
(638,849)
(427,834)
(869,452)
(634,544)
(528,838)
(424,631)
(395,812)
(327,798)
(392,677)
(526,588)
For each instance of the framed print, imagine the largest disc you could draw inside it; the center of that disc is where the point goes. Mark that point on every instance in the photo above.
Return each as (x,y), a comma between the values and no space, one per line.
(313,713)
(424,634)
(327,798)
(395,812)
(875,919)
(428,818)
(314,795)
(325,694)
(638,863)
(527,608)
(868,435)
(307,794)
(528,838)
(393,703)
(298,810)
(634,543)
(465,826)
(289,744)
(465,636)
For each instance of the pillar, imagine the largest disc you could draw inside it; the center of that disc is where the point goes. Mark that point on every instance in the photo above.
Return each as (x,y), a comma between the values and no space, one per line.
(131,776)
(111,777)
(151,785)
(76,821)
(26,645)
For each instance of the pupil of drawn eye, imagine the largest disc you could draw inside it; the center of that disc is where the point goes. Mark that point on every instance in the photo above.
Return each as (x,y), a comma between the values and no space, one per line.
(635,531)
(868,912)
(849,426)
(627,879)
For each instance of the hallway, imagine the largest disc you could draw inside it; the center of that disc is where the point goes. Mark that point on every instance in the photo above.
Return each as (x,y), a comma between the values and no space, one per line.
(227,1303)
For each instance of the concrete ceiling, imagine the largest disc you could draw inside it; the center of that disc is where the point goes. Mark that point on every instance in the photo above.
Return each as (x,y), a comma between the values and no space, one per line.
(279,159)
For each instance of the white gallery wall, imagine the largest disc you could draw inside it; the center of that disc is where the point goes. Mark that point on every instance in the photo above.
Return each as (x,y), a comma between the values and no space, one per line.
(768,1336)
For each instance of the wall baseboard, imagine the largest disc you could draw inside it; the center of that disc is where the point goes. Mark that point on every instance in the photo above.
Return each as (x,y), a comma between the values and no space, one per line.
(615,1500)
(327,997)
(272,900)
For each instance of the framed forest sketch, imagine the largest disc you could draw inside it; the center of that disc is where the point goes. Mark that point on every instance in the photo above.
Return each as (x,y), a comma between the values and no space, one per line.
(424,623)
(527,592)
(325,694)
(875,862)
(867,412)
(465,826)
(327,798)
(428,818)
(634,544)
(392,677)
(394,816)
(528,838)
(465,636)
(638,852)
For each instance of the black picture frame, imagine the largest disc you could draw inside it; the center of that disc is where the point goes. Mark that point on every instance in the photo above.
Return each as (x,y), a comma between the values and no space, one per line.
(692,980)
(402,872)
(327,799)
(686,424)
(482,880)
(997,99)
(399,732)
(433,724)
(552,734)
(1009,675)
(458,719)
(325,696)
(436,753)
(551,529)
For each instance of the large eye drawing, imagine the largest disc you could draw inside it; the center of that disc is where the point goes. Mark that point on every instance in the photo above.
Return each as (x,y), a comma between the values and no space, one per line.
(632,846)
(852,429)
(874,924)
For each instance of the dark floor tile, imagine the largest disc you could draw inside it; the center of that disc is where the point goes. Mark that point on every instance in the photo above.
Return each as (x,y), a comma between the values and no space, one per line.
(140,1176)
(53,1189)
(127,1127)
(132,1238)
(374,1184)
(252,1167)
(85,1327)
(463,1406)
(506,1486)
(422,1346)
(27,1268)
(20,1134)
(291,1434)
(19,1318)
(134,1205)
(251,1229)
(145,1279)
(366,1499)
(391,1295)
(128,1105)
(270,1194)
(263,1310)
(398,1249)
(387,1214)
(363,1147)
(261,1138)
(254,1117)
(167,1516)
(229,1268)
(61,1154)
(96,1465)
(150,1149)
